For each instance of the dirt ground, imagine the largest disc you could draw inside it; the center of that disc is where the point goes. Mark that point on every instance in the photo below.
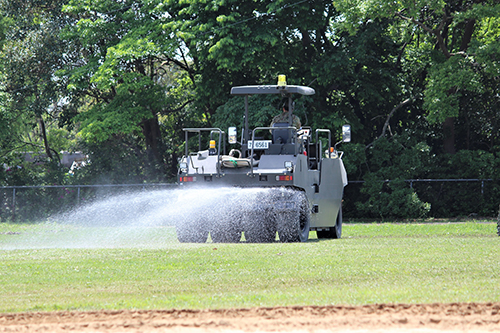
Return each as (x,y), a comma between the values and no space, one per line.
(421,318)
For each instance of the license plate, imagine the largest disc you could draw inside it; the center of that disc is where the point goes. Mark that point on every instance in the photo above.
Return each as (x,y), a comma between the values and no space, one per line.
(260,144)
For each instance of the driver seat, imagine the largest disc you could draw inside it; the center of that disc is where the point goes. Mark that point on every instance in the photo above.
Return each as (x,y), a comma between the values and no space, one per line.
(281,136)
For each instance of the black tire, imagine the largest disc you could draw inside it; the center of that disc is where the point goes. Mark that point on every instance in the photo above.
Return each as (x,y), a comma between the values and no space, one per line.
(305,220)
(260,227)
(193,232)
(225,234)
(259,236)
(294,226)
(334,232)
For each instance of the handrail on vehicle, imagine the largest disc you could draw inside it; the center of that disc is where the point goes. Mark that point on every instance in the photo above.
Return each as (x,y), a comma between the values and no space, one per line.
(318,153)
(212,130)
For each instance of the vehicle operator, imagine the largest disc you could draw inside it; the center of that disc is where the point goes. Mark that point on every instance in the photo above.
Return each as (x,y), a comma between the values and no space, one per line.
(285,116)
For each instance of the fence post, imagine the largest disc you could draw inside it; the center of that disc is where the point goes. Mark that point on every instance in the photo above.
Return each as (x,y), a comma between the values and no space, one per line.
(13,204)
(78,196)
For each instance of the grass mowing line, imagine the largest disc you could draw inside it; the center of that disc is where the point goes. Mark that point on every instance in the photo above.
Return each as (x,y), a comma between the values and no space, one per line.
(375,263)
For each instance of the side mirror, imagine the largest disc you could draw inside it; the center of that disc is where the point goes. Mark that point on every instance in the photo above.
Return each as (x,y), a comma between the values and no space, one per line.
(346,133)
(232,135)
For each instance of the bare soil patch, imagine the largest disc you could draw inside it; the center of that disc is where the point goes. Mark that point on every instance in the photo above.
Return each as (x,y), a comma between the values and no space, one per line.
(454,317)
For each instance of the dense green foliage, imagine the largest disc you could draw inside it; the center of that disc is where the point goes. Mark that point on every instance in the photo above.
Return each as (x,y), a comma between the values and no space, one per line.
(417,80)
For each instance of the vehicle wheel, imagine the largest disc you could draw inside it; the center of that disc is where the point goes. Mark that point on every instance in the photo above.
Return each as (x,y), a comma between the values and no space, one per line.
(260,227)
(335,232)
(259,236)
(195,232)
(294,225)
(305,221)
(229,234)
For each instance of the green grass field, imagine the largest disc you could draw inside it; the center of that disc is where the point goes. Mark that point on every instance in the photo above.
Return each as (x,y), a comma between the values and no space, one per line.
(58,267)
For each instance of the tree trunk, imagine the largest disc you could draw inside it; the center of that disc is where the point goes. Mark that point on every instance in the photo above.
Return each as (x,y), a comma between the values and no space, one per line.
(469,30)
(43,134)
(151,131)
(448,125)
(449,136)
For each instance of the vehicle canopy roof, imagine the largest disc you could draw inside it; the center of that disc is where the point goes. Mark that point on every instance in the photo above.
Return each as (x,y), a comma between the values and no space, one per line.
(272,89)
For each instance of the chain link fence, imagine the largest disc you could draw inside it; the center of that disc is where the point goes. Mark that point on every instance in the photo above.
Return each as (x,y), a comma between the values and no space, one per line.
(37,203)
(448,197)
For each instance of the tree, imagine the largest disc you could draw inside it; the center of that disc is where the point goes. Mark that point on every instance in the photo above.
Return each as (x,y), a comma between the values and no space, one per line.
(122,53)
(455,39)
(118,71)
(31,53)
(249,42)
